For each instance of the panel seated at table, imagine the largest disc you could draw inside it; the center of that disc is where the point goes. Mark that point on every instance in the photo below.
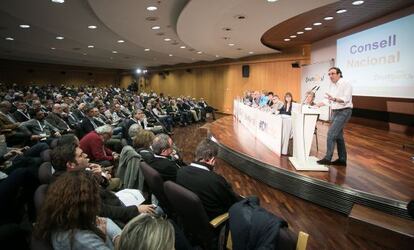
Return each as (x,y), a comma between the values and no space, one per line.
(273,130)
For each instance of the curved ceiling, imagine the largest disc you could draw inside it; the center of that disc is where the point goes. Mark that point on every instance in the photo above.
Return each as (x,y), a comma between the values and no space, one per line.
(192,26)
(354,16)
(202,24)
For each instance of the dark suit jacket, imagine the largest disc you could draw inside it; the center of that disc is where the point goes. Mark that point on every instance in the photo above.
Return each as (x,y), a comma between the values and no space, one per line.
(79,114)
(213,190)
(86,126)
(20,117)
(6,123)
(57,122)
(126,124)
(165,167)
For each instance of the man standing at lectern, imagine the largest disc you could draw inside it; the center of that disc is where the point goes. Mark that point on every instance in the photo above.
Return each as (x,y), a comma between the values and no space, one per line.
(339,97)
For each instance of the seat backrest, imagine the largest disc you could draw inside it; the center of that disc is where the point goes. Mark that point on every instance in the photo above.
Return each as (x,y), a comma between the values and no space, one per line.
(45,173)
(39,196)
(155,184)
(45,155)
(190,210)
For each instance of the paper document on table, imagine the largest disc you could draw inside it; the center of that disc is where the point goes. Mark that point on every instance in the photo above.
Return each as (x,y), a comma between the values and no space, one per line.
(130,197)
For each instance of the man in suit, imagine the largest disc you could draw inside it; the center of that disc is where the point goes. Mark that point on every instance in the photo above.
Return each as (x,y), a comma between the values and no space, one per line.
(162,147)
(21,114)
(15,134)
(55,119)
(214,191)
(88,123)
(40,129)
(79,112)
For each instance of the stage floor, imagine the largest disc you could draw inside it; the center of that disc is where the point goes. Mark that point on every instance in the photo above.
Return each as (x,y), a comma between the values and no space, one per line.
(377,163)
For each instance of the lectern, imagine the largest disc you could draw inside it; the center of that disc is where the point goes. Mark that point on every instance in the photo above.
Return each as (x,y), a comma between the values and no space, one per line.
(304,119)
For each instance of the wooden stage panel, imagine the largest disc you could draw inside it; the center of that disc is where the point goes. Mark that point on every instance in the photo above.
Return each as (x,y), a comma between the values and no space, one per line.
(377,164)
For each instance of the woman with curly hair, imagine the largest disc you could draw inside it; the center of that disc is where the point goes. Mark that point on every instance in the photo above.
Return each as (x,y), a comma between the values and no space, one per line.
(68,218)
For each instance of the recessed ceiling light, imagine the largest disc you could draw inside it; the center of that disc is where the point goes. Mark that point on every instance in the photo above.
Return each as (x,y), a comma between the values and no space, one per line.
(328,18)
(217,56)
(60,38)
(9,38)
(58,1)
(286,39)
(167,39)
(251,52)
(53,48)
(155,27)
(272,1)
(24,26)
(299,32)
(114,52)
(199,52)
(182,47)
(151,8)
(231,44)
(146,49)
(91,46)
(170,55)
(92,27)
(357,2)
(317,24)
(341,11)
(308,28)
(120,41)
(292,36)
(85,54)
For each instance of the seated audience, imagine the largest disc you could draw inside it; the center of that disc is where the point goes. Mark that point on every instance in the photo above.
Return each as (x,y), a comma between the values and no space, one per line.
(69,216)
(214,191)
(93,144)
(147,233)
(15,134)
(40,129)
(70,157)
(21,114)
(162,146)
(142,144)
(56,120)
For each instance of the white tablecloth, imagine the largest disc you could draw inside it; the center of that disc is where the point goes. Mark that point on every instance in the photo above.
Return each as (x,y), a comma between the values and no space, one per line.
(272,130)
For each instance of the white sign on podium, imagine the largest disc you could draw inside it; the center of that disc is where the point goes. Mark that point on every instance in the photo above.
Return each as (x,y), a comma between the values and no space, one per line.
(304,119)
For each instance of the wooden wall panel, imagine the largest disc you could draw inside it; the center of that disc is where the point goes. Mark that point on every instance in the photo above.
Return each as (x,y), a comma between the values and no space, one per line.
(219,85)
(38,73)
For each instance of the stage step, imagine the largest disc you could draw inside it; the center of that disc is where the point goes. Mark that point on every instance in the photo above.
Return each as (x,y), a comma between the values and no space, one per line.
(384,229)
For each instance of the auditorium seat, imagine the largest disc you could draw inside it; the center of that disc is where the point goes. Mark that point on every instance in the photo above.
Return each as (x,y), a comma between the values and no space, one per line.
(45,173)
(197,227)
(155,184)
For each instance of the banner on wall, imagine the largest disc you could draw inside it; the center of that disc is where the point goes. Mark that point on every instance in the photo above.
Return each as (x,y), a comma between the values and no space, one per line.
(315,76)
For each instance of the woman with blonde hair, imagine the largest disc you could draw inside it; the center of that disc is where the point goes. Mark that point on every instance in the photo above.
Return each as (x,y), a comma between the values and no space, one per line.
(146,232)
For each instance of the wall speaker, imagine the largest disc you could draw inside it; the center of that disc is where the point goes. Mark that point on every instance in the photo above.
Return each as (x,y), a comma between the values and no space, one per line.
(295,65)
(245,71)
